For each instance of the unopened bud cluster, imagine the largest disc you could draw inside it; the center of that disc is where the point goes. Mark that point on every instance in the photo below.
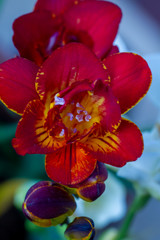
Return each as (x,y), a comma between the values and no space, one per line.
(48,203)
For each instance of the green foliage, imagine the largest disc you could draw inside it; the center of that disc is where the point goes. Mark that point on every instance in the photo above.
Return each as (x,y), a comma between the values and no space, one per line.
(39,233)
(7,192)
(13,165)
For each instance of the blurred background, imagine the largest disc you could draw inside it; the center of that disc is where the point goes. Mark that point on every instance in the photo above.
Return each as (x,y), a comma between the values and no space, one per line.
(140,33)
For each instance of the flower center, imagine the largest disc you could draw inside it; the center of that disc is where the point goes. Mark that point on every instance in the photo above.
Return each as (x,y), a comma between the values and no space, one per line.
(75,112)
(76,117)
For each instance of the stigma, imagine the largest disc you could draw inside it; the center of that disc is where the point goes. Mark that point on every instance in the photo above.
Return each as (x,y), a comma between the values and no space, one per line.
(58,100)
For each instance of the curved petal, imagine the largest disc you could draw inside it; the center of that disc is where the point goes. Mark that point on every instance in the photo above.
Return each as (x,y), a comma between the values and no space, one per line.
(71,63)
(17,83)
(55,6)
(32,134)
(109,109)
(118,148)
(130,78)
(97,21)
(70,165)
(32,35)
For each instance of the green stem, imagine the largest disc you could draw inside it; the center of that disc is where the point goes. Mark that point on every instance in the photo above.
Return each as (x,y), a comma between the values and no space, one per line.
(137,204)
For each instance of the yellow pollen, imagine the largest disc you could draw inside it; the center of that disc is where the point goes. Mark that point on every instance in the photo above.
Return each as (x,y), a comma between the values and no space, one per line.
(52,105)
(104,66)
(90,93)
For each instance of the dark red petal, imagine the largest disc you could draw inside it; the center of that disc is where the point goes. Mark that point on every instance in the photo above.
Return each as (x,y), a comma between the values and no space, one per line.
(55,6)
(32,135)
(17,83)
(71,63)
(70,165)
(130,78)
(114,49)
(118,148)
(97,21)
(32,34)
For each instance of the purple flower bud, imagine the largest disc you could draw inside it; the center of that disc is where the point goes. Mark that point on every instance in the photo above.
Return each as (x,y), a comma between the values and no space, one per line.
(82,228)
(93,187)
(47,203)
(91,192)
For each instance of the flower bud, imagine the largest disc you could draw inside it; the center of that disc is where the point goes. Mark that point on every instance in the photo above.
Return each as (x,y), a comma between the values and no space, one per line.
(91,192)
(93,187)
(47,203)
(82,228)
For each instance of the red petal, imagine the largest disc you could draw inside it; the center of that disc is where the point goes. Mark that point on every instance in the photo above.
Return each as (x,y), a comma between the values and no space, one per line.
(70,165)
(118,148)
(32,135)
(32,33)
(114,49)
(108,107)
(55,6)
(95,20)
(130,78)
(71,63)
(17,83)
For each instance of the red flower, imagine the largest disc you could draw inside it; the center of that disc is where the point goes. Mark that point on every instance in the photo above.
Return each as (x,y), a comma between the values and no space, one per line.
(71,109)
(54,23)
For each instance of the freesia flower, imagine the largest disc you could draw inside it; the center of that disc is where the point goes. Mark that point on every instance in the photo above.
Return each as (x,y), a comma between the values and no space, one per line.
(71,109)
(54,23)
